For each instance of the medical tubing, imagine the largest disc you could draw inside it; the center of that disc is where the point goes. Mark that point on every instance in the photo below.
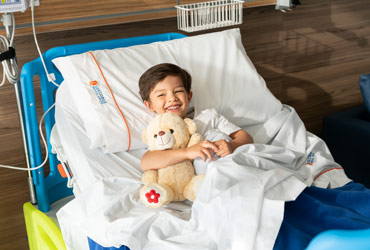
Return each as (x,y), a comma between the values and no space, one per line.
(10,66)
(49,76)
(69,180)
(68,174)
(5,41)
(45,144)
(11,72)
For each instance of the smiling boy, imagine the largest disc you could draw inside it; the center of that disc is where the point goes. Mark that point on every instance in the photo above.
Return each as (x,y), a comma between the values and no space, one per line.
(166,88)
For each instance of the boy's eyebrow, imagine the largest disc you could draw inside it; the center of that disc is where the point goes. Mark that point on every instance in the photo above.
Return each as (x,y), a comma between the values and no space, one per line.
(159,90)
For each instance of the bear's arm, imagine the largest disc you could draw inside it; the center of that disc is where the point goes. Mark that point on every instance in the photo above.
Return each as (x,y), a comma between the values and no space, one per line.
(194,139)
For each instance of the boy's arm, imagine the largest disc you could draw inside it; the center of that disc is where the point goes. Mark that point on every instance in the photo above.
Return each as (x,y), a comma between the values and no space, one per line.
(239,138)
(163,158)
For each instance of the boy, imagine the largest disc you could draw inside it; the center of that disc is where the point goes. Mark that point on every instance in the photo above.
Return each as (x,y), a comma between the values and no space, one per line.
(167,88)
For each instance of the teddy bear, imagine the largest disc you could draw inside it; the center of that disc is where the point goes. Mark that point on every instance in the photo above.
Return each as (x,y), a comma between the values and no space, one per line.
(176,182)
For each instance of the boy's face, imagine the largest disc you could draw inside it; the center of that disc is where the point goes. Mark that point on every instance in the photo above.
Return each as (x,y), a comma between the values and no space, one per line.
(169,96)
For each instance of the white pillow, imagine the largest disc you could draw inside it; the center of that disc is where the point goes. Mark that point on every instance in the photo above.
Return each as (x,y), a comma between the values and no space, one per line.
(223,78)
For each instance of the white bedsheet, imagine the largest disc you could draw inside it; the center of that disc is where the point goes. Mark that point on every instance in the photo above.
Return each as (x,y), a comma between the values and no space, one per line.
(240,204)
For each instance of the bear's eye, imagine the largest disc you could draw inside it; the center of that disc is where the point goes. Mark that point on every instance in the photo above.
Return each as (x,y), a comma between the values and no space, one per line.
(171,130)
(155,136)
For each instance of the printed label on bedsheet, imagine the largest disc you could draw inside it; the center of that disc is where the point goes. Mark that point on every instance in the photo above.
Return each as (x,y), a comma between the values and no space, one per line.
(310,158)
(99,94)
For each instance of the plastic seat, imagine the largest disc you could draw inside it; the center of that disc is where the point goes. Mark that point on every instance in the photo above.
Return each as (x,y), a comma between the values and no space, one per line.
(41,230)
(341,240)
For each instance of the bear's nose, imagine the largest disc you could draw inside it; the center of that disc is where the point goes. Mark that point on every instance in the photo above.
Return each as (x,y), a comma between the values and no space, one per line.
(160,133)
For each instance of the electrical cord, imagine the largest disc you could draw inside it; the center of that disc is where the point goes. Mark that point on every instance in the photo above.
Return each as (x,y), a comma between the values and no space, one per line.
(14,77)
(50,77)
(45,144)
(10,67)
(70,181)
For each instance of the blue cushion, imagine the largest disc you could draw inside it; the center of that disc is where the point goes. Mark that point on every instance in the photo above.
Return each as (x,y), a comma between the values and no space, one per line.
(365,90)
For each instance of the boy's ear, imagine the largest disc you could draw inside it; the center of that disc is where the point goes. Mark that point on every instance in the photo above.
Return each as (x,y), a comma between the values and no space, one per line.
(148,105)
(190,96)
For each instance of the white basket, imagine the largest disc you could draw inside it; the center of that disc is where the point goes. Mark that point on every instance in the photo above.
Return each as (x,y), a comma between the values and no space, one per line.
(209,15)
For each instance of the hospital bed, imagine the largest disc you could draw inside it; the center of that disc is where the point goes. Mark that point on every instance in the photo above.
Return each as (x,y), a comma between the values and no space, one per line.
(42,231)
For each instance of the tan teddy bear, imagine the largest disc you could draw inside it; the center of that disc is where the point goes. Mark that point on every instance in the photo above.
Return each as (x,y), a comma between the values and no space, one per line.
(176,182)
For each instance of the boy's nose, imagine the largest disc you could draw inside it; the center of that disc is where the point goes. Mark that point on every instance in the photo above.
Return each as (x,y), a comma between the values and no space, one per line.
(160,133)
(172,97)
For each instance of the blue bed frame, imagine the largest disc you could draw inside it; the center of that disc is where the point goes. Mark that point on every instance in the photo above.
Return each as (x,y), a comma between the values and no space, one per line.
(53,187)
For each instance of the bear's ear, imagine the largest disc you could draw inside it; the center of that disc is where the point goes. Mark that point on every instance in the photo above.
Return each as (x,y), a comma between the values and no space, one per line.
(192,128)
(143,136)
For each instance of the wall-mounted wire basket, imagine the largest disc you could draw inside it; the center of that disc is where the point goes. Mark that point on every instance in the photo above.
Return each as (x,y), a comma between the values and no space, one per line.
(209,15)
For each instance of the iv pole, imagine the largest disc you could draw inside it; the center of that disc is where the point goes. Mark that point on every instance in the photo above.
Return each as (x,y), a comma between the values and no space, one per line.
(21,121)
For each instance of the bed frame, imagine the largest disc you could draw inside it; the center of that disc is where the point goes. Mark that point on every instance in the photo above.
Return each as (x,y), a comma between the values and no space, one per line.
(42,232)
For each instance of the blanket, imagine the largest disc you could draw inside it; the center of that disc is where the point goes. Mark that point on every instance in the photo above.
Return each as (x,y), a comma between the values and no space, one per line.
(345,208)
(239,206)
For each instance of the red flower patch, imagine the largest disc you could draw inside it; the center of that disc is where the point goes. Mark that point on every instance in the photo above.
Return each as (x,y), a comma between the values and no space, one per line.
(152,196)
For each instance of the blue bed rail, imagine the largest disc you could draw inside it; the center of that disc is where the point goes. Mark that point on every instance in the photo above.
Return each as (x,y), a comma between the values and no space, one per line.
(53,187)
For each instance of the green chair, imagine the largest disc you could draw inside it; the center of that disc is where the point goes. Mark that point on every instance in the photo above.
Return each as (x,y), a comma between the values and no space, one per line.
(42,232)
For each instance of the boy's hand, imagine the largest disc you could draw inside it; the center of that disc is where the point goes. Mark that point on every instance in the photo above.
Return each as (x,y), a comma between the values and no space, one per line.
(224,148)
(202,150)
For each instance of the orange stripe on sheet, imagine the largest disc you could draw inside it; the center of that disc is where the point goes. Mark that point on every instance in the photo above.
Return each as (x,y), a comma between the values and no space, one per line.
(114,99)
(326,172)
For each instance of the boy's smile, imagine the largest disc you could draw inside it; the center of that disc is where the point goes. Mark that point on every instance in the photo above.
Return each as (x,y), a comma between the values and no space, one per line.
(169,95)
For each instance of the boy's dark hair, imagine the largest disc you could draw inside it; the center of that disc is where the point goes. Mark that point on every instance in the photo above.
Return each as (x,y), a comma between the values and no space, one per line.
(157,73)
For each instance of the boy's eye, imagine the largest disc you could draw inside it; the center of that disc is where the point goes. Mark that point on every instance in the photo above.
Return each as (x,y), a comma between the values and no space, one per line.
(171,130)
(160,95)
(179,91)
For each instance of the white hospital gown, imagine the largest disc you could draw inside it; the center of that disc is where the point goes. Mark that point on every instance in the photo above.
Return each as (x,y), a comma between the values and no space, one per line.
(213,127)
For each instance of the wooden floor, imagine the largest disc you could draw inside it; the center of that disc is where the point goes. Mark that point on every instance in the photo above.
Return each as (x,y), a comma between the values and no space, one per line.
(311,59)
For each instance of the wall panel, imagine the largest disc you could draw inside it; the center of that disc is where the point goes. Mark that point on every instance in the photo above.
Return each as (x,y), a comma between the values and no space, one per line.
(56,15)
